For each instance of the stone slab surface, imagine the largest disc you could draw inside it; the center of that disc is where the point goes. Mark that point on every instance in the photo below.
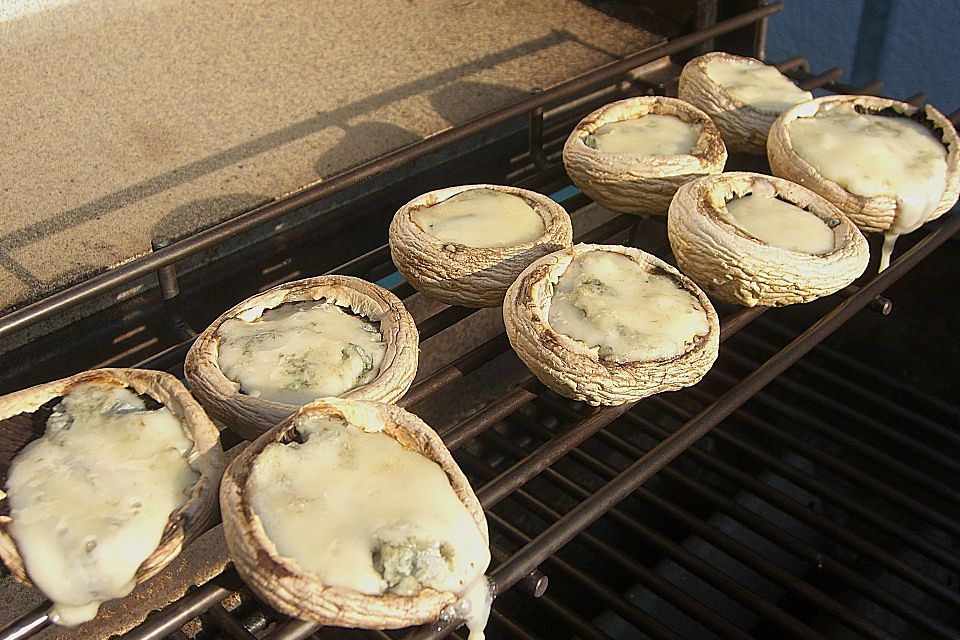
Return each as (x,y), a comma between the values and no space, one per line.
(130,120)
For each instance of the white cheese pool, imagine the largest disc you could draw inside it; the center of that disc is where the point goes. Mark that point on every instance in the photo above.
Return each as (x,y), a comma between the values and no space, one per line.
(779,223)
(758,85)
(612,304)
(299,352)
(90,498)
(483,218)
(649,135)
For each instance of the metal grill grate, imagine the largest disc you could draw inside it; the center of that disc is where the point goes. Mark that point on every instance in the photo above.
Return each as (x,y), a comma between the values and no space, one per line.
(731,509)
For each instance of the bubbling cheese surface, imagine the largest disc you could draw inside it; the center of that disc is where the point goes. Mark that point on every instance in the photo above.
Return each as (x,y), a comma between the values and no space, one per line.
(649,135)
(759,86)
(91,497)
(353,507)
(299,352)
(612,304)
(779,223)
(871,155)
(482,218)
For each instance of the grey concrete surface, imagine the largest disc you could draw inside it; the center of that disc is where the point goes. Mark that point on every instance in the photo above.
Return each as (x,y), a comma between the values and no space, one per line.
(129,120)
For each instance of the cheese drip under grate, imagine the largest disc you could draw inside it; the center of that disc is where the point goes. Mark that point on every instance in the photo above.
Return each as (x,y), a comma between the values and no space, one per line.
(612,304)
(90,499)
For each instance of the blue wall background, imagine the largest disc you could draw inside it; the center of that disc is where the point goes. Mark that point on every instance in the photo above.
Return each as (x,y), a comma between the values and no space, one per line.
(911,44)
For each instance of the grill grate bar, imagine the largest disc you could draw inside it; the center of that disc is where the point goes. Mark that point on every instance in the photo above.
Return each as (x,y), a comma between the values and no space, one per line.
(689,561)
(741,552)
(863,371)
(935,429)
(820,522)
(681,599)
(868,453)
(785,540)
(602,593)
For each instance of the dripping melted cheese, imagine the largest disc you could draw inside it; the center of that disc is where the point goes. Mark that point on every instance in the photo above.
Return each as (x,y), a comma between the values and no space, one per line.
(872,155)
(90,498)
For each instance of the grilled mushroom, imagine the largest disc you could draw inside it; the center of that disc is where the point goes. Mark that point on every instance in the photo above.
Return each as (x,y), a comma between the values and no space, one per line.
(877,208)
(673,347)
(254,525)
(204,458)
(802,255)
(249,415)
(743,96)
(475,274)
(634,182)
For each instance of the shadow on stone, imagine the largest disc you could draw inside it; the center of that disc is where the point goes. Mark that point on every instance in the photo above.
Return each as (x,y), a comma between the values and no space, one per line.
(362,142)
(464,99)
(201,214)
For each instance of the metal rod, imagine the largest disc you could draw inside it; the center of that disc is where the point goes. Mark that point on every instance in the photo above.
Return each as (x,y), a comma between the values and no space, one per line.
(741,552)
(308,195)
(864,450)
(29,623)
(817,81)
(456,370)
(732,547)
(535,137)
(814,557)
(602,593)
(862,369)
(651,580)
(948,433)
(691,562)
(922,544)
(862,546)
(230,625)
(176,614)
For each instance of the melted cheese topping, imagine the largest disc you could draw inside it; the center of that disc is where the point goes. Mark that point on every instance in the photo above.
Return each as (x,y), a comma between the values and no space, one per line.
(759,86)
(90,498)
(649,135)
(359,511)
(299,352)
(872,155)
(612,304)
(779,223)
(481,218)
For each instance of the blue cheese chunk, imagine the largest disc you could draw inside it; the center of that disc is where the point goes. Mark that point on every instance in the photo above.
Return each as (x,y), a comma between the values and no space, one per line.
(299,352)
